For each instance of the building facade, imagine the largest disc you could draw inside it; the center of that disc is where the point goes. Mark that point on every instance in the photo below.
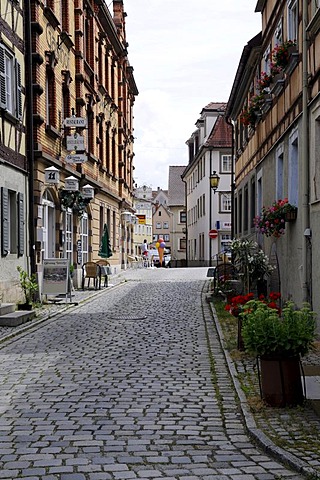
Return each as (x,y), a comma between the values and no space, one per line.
(14,170)
(208,213)
(275,105)
(143,213)
(177,206)
(83,96)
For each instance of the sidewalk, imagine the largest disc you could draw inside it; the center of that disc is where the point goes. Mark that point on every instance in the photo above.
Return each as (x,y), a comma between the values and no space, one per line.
(291,435)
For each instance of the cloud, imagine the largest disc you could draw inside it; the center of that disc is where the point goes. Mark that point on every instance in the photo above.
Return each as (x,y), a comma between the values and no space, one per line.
(185,54)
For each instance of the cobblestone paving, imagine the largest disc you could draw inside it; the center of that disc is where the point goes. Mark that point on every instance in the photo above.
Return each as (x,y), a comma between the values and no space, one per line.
(132,384)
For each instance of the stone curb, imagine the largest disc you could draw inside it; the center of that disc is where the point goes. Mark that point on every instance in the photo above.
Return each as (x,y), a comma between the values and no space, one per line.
(258,435)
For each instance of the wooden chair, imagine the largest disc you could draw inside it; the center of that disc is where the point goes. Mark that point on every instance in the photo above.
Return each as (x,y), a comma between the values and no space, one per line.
(91,270)
(104,267)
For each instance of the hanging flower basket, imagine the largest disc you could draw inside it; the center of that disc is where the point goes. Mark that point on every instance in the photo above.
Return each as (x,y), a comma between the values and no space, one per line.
(272,220)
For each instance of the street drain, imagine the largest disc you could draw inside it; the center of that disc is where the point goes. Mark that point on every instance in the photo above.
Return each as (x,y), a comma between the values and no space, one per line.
(127,317)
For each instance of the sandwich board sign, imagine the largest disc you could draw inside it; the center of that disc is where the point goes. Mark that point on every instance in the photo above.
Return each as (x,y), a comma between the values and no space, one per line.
(55,276)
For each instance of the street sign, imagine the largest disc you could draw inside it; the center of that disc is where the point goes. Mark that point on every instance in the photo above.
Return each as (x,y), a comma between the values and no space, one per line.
(75,142)
(75,122)
(213,233)
(76,158)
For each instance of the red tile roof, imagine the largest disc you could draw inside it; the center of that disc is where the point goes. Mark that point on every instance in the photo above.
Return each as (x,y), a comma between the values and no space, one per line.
(221,134)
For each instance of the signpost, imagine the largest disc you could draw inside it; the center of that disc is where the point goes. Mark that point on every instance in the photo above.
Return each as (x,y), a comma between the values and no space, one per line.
(213,233)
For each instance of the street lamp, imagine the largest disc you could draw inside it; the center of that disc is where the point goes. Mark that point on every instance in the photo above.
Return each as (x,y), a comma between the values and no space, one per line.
(214,181)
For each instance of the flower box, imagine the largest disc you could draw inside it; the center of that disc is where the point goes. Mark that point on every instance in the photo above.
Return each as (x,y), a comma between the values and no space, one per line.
(291,215)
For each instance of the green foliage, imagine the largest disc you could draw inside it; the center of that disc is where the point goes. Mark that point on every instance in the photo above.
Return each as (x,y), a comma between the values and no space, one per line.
(266,331)
(28,284)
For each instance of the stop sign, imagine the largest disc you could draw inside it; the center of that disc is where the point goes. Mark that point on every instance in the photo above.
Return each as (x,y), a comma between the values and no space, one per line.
(213,233)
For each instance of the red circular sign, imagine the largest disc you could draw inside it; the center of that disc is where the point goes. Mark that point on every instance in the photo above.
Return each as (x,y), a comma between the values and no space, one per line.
(213,233)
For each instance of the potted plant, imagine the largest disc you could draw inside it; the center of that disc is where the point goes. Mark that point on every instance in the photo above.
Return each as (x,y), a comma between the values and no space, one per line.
(278,338)
(29,286)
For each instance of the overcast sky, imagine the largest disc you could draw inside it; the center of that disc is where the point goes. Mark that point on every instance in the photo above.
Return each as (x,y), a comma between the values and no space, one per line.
(185,54)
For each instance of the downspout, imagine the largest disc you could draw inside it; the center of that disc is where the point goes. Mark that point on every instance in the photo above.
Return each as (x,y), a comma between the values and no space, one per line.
(29,127)
(305,158)
(210,212)
(232,184)
(186,205)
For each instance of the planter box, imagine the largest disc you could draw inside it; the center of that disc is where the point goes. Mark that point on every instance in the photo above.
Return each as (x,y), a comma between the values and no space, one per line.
(280,381)
(291,216)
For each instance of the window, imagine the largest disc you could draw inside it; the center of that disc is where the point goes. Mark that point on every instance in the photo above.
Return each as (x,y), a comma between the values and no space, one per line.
(278,35)
(292,20)
(166,225)
(50,98)
(68,228)
(226,163)
(182,244)
(225,202)
(279,172)
(166,238)
(84,228)
(158,225)
(183,217)
(159,213)
(155,237)
(12,220)
(252,202)
(293,170)
(10,83)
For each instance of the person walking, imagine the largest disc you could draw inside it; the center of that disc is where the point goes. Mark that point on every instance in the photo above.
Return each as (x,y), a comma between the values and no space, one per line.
(144,253)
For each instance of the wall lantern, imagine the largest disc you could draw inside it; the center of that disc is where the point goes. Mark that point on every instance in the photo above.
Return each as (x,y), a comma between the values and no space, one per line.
(88,191)
(71,184)
(126,216)
(214,181)
(134,220)
(52,175)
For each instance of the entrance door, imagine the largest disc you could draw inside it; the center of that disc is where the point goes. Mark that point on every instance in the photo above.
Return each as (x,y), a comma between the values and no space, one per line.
(49,232)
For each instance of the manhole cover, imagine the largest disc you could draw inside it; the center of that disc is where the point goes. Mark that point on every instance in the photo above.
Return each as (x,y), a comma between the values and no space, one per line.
(127,317)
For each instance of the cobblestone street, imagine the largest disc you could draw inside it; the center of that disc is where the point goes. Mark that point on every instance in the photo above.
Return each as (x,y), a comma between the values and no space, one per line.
(131,384)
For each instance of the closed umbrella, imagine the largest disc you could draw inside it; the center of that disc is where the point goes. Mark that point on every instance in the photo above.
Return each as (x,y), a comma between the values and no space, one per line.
(105,247)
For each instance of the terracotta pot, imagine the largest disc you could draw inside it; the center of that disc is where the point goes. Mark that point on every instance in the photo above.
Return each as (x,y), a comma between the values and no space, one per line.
(281,384)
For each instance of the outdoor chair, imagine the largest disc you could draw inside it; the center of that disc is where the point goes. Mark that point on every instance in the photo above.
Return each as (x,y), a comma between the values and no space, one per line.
(91,270)
(105,270)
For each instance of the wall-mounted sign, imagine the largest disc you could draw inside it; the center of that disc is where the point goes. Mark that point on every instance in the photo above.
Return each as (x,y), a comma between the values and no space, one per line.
(142,219)
(75,142)
(76,158)
(75,122)
(71,184)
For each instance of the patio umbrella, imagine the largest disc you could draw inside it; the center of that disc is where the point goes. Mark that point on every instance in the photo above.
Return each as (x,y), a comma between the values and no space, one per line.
(105,247)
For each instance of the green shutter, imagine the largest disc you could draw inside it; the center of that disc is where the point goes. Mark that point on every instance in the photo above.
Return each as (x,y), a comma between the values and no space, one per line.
(4,221)
(20,224)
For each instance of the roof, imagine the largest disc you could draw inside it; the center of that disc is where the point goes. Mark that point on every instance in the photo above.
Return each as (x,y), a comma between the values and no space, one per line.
(221,134)
(176,191)
(220,107)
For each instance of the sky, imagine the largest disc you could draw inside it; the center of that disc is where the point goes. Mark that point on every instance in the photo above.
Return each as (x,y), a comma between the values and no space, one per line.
(185,54)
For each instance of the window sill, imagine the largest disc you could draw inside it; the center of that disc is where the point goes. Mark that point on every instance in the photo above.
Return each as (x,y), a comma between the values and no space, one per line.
(8,116)
(52,131)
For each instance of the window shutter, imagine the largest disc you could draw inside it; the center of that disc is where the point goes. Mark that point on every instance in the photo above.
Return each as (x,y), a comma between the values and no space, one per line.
(18,90)
(4,221)
(3,95)
(20,224)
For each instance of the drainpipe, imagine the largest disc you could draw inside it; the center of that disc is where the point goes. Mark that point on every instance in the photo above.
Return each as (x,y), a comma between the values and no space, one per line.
(232,184)
(29,127)
(305,158)
(210,211)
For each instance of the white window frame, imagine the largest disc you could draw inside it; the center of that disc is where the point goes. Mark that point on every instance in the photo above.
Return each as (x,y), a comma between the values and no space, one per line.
(165,225)
(279,172)
(225,202)
(68,231)
(84,238)
(293,20)
(226,163)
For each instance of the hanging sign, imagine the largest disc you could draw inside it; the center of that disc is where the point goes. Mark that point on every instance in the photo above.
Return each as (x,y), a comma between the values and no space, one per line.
(52,175)
(75,142)
(76,158)
(75,122)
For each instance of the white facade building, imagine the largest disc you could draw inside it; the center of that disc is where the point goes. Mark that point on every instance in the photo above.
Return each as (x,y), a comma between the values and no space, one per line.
(210,150)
